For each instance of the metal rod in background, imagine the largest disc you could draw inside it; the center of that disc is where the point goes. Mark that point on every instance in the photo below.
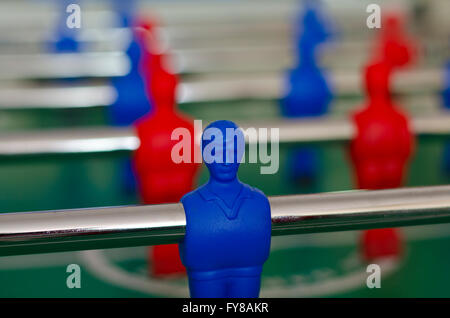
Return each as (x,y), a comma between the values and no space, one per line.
(197,61)
(197,13)
(271,85)
(205,88)
(97,228)
(109,139)
(64,65)
(68,141)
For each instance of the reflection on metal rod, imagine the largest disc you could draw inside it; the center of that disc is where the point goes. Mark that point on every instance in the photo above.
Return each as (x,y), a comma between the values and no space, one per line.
(68,141)
(67,65)
(56,97)
(204,89)
(52,231)
(94,140)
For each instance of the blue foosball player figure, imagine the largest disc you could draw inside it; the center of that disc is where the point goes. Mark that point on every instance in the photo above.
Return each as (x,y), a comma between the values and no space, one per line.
(228,223)
(446,92)
(131,103)
(304,164)
(308,92)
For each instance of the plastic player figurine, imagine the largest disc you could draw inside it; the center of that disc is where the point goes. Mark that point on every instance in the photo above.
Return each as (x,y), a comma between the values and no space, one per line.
(160,178)
(384,142)
(446,92)
(308,90)
(132,101)
(228,228)
(309,93)
(380,152)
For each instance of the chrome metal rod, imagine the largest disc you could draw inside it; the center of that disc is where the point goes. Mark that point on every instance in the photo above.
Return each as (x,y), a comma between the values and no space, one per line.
(68,141)
(67,65)
(180,13)
(205,89)
(109,139)
(53,231)
(207,50)
(56,97)
(270,85)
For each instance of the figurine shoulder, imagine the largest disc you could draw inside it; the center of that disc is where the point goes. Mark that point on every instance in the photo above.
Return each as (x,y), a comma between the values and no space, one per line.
(258,196)
(192,197)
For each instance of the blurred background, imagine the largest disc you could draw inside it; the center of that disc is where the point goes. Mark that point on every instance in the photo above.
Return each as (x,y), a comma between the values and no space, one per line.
(234,60)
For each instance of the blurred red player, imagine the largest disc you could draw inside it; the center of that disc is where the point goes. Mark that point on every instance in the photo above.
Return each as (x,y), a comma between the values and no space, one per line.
(384,142)
(380,153)
(160,179)
(394,45)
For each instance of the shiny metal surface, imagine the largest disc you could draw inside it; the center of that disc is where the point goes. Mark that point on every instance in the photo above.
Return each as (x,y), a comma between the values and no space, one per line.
(108,139)
(271,85)
(305,130)
(341,129)
(203,19)
(68,141)
(52,231)
(34,232)
(356,210)
(204,89)
(64,65)
(56,97)
(179,12)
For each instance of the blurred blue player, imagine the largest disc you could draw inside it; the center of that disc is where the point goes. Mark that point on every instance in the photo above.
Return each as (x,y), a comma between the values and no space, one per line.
(131,102)
(125,11)
(446,93)
(308,90)
(228,223)
(446,103)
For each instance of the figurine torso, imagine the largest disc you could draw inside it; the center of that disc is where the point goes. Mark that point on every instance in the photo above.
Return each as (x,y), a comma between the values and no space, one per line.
(161,179)
(382,134)
(308,93)
(239,238)
(382,147)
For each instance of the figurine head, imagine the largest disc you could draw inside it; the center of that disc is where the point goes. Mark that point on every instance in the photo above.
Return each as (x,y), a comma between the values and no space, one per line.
(312,29)
(396,46)
(223,145)
(313,24)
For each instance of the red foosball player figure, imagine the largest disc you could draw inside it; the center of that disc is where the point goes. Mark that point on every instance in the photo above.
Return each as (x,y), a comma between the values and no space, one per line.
(380,153)
(384,143)
(160,178)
